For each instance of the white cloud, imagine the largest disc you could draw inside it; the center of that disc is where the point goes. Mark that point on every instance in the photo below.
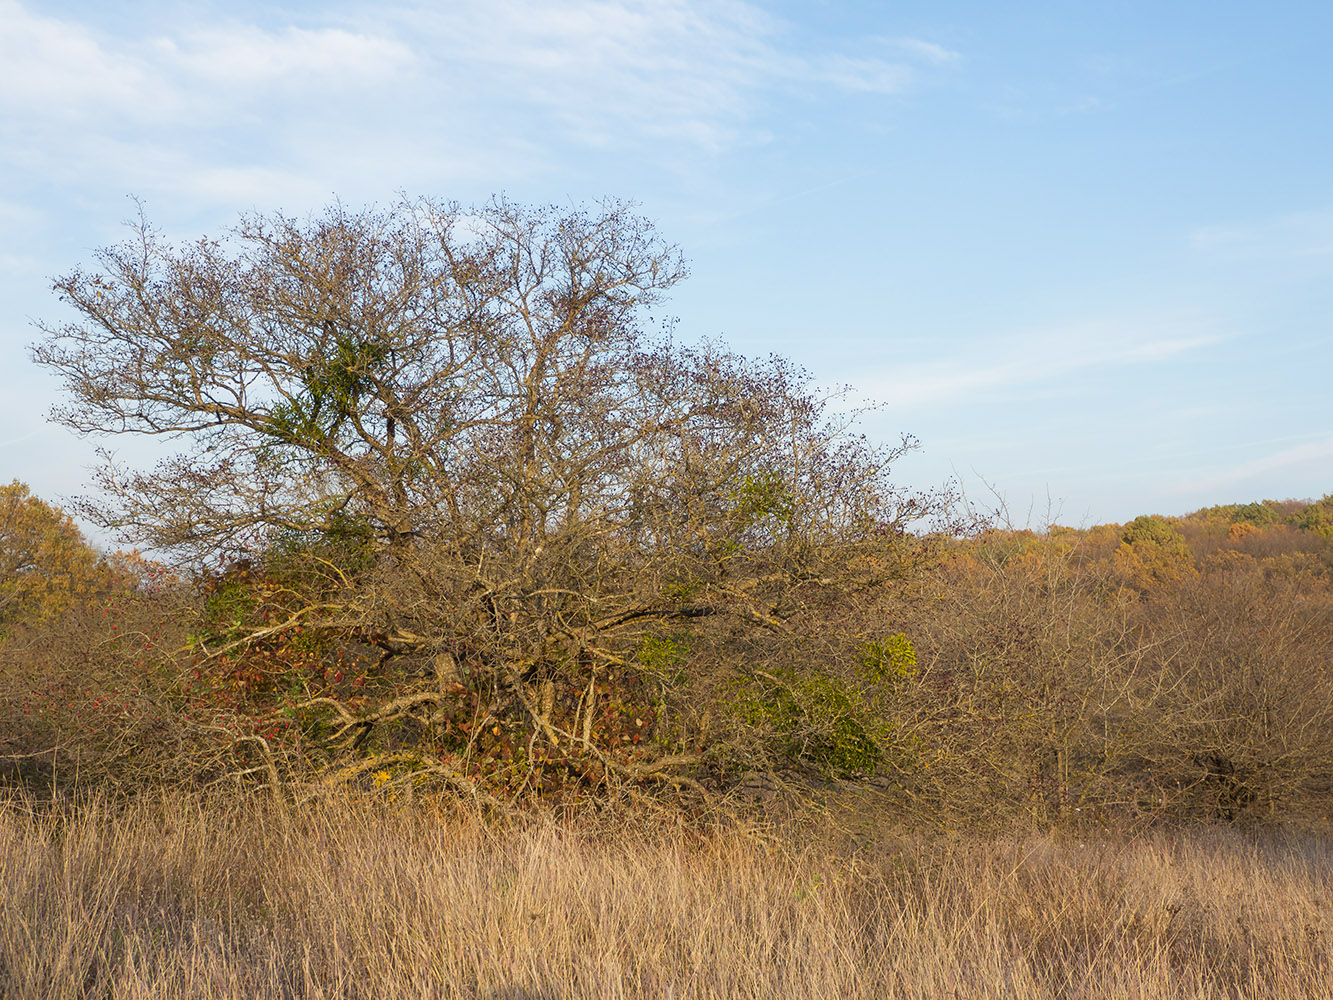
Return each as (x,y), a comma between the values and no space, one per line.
(224,113)
(17,225)
(1035,361)
(866,74)
(387,96)
(244,185)
(1293,235)
(15,214)
(53,67)
(926,51)
(56,68)
(245,55)
(21,438)
(19,264)
(1309,454)
(693,70)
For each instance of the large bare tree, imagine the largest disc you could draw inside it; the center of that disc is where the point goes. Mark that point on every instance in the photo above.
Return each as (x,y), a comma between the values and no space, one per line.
(458,419)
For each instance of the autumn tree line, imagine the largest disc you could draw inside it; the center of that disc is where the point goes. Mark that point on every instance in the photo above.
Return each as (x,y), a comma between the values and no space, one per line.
(440,513)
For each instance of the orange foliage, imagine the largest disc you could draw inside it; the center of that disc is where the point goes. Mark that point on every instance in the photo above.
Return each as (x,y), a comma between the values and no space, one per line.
(1241,530)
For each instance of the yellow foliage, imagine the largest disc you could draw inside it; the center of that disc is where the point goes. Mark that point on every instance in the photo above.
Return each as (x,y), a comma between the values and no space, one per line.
(45,563)
(1241,530)
(1153,554)
(1228,561)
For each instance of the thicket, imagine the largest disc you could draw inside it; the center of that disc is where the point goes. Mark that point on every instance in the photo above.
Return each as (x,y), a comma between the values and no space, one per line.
(443,518)
(1046,679)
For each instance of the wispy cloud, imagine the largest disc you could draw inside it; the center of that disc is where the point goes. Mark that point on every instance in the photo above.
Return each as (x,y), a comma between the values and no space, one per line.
(926,51)
(226,108)
(21,438)
(1033,361)
(866,74)
(57,68)
(1292,235)
(698,70)
(1316,452)
(130,112)
(247,56)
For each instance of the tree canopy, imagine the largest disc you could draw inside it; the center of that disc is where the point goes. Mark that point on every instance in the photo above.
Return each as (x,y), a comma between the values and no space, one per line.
(453,427)
(45,563)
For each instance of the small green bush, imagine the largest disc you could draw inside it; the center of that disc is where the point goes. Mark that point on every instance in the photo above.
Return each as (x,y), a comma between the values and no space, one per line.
(838,727)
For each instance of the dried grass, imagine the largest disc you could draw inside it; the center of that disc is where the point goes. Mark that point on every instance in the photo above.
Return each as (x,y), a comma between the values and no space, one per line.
(182,897)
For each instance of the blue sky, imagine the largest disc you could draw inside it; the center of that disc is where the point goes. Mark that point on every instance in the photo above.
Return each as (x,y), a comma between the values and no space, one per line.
(1082,252)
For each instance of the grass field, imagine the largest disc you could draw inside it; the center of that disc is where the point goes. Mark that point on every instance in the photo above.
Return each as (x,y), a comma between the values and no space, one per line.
(183,897)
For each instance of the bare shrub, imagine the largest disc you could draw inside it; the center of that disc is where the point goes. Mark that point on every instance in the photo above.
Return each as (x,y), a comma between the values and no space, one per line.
(1058,685)
(105,698)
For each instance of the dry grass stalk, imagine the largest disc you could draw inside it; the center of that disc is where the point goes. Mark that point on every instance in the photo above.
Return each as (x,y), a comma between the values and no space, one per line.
(181,897)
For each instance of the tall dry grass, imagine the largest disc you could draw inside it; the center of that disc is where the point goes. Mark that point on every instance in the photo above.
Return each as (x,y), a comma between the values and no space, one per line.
(182,897)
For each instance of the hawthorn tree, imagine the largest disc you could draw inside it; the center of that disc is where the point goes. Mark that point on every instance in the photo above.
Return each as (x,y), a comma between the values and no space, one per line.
(454,423)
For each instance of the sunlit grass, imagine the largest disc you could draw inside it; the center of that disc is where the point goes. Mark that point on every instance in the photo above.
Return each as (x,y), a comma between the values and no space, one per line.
(180,897)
